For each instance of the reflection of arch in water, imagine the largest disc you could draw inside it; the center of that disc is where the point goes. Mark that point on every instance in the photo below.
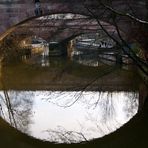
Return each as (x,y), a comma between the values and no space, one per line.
(106,105)
(16,109)
(136,128)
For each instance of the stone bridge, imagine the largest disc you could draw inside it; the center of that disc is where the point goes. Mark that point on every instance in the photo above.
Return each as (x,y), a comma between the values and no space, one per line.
(17,12)
(59,29)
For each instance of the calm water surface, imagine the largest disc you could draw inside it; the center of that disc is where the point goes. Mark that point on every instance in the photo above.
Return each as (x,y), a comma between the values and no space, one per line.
(68,101)
(69,116)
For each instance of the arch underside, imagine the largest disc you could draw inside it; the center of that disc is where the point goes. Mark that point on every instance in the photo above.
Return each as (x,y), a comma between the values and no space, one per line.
(52,29)
(24,11)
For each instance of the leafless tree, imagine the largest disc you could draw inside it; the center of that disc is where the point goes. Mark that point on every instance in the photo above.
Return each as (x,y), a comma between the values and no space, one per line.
(121,42)
(16,109)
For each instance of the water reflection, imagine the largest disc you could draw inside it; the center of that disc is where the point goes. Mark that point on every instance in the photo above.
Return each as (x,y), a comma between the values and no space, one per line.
(17,109)
(55,99)
(58,73)
(69,116)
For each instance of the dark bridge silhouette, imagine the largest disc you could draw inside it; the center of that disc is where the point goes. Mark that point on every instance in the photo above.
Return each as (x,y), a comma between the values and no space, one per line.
(59,29)
(14,13)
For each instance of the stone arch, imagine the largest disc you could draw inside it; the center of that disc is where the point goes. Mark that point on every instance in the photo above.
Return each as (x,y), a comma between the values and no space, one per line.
(15,13)
(13,28)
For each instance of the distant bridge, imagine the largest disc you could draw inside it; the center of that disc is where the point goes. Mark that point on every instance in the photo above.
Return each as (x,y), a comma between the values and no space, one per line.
(59,29)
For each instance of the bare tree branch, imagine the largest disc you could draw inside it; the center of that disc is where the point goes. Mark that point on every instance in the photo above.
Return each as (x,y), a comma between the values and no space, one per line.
(124,14)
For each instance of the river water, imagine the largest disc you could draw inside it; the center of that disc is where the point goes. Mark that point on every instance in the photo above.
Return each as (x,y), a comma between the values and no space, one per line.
(68,100)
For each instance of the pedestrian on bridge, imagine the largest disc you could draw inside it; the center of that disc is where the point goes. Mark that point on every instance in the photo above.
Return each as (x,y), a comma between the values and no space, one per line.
(38,10)
(0,110)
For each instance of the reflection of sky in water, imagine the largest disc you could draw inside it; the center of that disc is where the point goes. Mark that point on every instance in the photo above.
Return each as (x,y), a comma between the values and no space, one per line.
(83,114)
